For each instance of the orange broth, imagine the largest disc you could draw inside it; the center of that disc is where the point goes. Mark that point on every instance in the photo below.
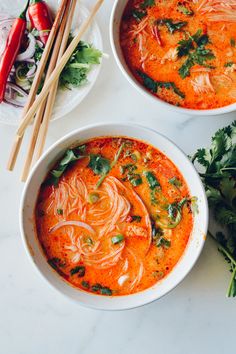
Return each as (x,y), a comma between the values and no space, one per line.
(118,238)
(151,33)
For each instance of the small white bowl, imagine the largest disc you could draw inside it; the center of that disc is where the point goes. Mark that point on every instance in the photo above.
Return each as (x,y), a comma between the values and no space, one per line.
(37,176)
(66,100)
(115,20)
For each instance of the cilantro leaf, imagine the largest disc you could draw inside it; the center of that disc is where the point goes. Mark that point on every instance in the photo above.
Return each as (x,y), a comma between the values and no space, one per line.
(151,180)
(147,3)
(194,48)
(171,25)
(69,157)
(154,86)
(99,164)
(184,9)
(175,182)
(79,65)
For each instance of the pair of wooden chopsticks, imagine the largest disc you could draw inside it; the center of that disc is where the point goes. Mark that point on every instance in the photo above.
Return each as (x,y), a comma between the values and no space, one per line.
(59,58)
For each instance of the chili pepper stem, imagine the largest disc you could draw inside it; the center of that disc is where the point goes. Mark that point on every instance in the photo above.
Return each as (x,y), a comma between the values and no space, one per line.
(23,14)
(33,2)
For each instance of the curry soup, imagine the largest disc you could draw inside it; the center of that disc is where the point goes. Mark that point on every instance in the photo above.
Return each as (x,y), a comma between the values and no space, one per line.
(114,216)
(184,52)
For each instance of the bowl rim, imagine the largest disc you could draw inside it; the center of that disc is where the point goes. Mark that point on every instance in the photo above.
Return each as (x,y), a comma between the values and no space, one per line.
(75,133)
(141,89)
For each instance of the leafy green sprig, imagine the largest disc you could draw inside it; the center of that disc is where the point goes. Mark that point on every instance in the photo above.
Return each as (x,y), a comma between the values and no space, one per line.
(219,178)
(141,12)
(194,47)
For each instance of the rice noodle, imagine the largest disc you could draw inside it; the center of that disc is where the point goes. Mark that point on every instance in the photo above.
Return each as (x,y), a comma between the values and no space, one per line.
(202,84)
(101,220)
(139,266)
(72,223)
(218,10)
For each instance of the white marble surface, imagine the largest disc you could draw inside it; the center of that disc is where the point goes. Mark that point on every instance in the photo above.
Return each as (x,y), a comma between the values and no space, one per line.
(194,318)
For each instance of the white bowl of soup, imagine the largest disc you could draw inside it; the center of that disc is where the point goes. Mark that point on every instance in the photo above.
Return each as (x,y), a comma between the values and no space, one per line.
(181,54)
(114,216)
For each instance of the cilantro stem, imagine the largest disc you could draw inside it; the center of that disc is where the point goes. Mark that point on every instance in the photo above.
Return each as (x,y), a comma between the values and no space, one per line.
(223,249)
(112,165)
(231,282)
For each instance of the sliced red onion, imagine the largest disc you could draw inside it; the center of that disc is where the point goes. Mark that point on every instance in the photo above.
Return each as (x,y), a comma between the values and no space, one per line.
(14,102)
(31,71)
(29,52)
(72,223)
(30,60)
(7,23)
(4,16)
(10,97)
(17,89)
(40,44)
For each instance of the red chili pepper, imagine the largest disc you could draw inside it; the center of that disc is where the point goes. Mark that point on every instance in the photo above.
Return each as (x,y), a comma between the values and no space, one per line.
(11,50)
(40,19)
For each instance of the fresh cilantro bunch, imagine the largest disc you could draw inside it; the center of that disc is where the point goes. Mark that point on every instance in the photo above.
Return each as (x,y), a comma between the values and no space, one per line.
(80,63)
(219,178)
(194,48)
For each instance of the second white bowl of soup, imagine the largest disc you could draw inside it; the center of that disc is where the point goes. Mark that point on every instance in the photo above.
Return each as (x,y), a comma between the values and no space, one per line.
(114,216)
(180,54)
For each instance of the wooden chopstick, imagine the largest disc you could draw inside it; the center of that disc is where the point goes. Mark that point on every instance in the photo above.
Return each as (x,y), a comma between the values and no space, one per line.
(52,94)
(56,72)
(40,113)
(34,88)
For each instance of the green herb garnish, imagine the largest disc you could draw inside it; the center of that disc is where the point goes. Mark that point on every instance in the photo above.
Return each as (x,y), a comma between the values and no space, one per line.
(103,290)
(117,239)
(151,180)
(232,42)
(175,182)
(106,291)
(80,270)
(153,184)
(154,86)
(69,157)
(85,284)
(229,64)
(157,237)
(175,212)
(79,65)
(59,211)
(56,262)
(219,178)
(96,287)
(171,25)
(184,9)
(105,165)
(163,242)
(136,218)
(135,179)
(141,12)
(100,165)
(196,52)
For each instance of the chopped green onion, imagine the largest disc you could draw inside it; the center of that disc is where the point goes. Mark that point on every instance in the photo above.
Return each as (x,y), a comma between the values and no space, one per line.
(117,239)
(93,198)
(151,179)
